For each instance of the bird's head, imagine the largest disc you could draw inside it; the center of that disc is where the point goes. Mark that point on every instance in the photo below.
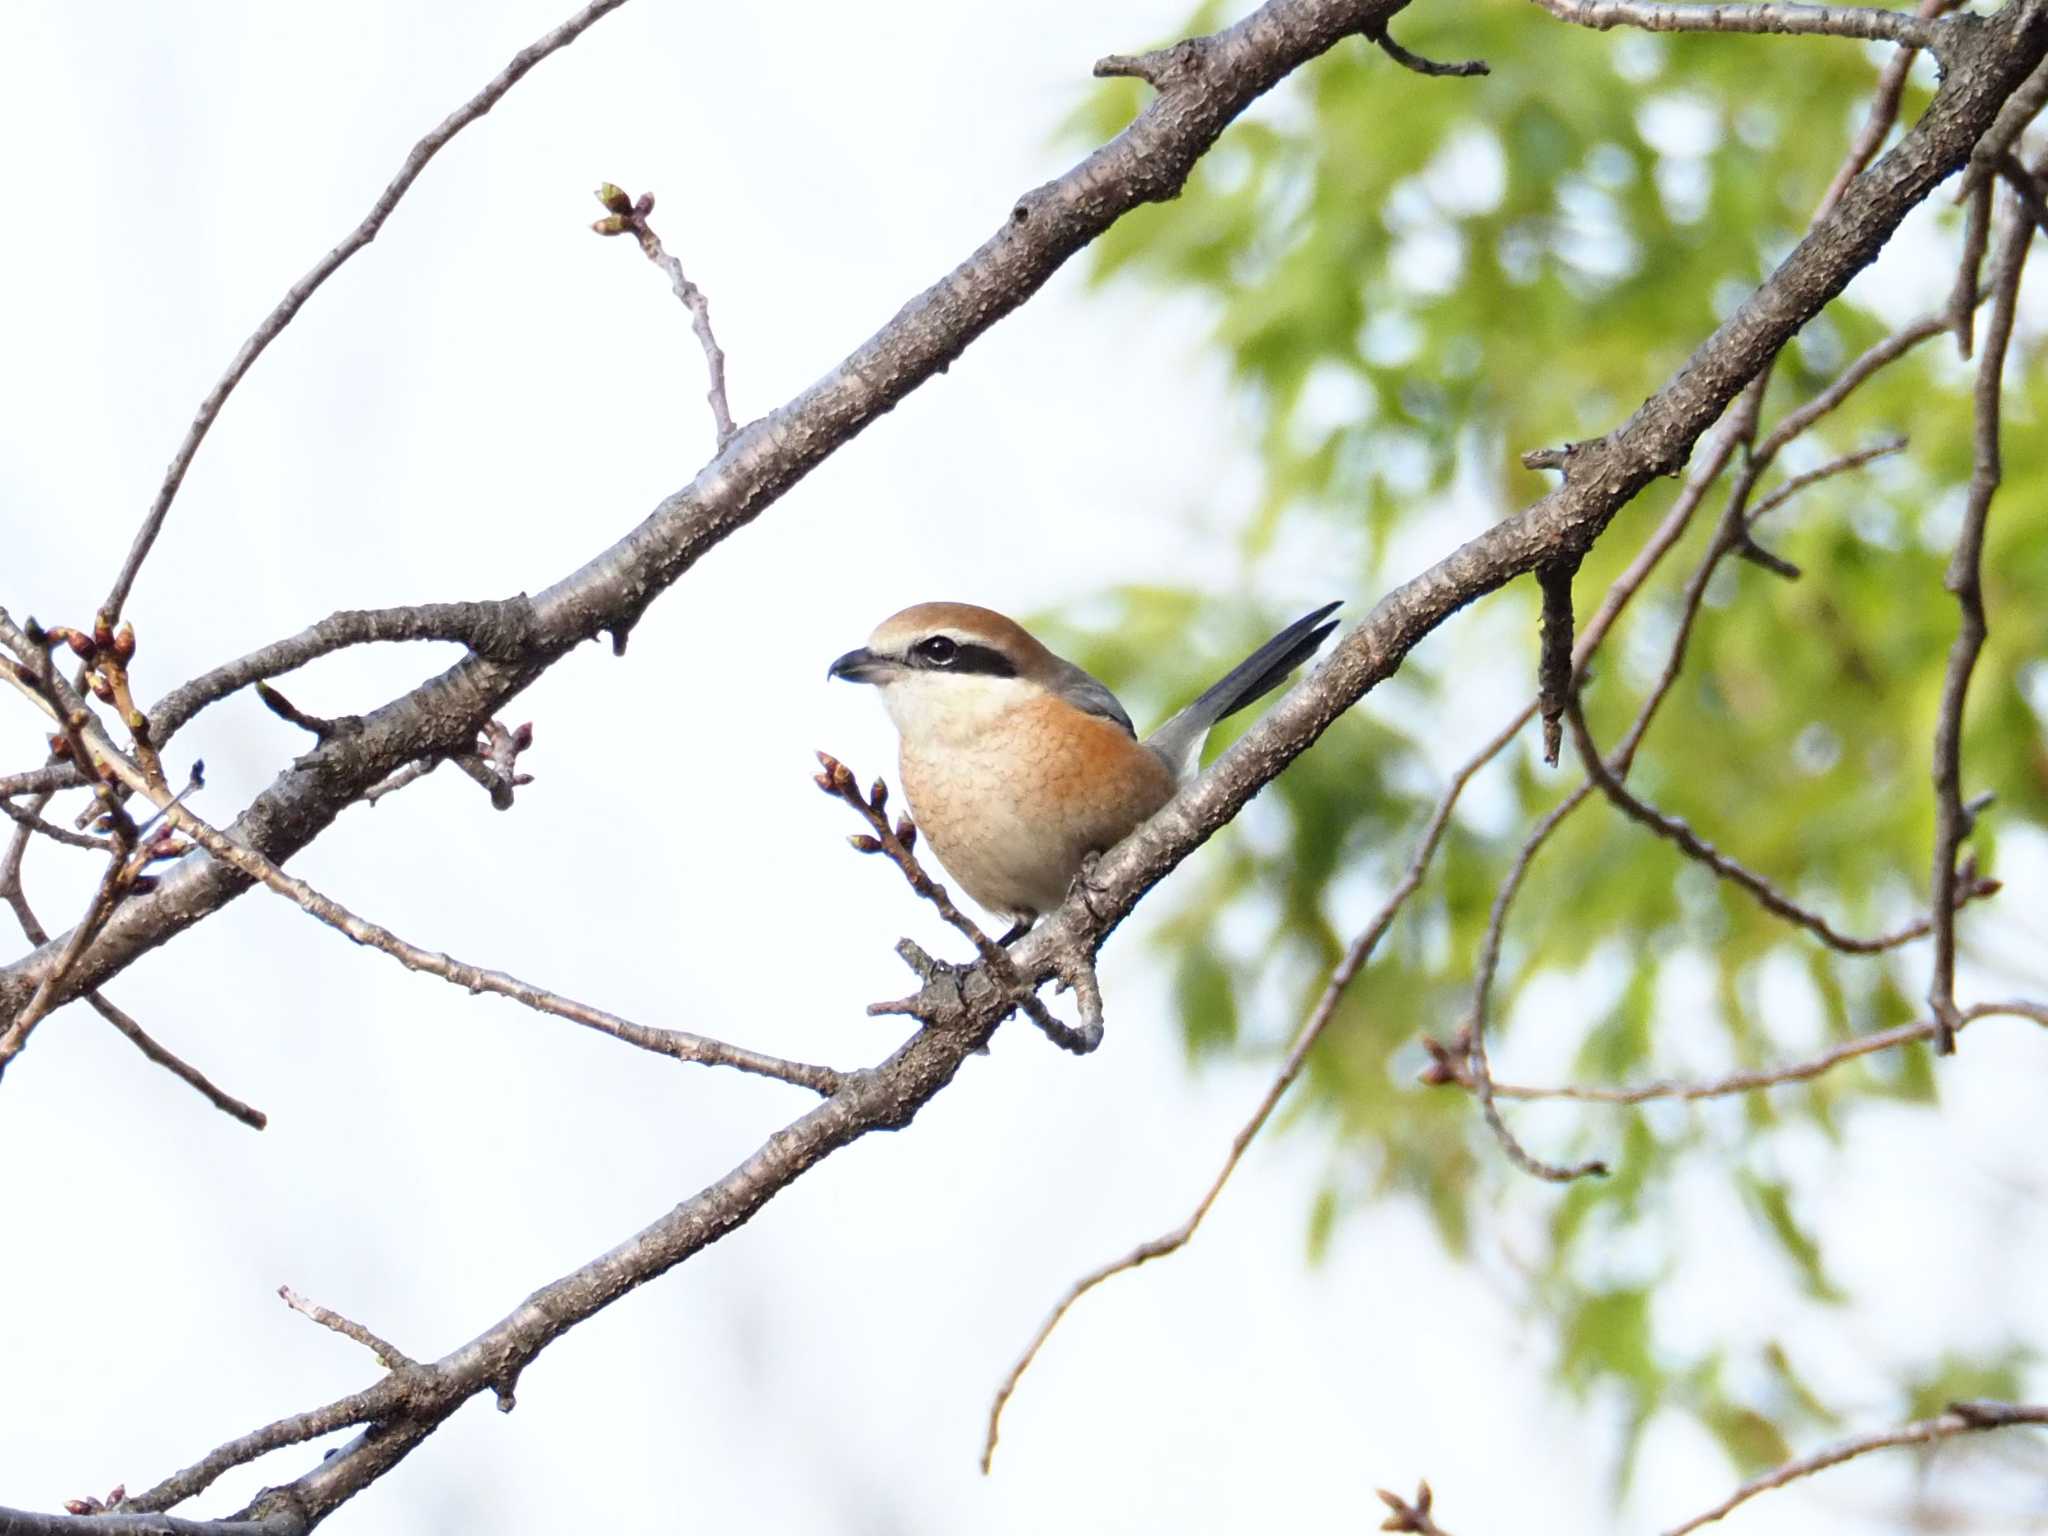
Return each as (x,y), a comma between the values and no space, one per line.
(946,669)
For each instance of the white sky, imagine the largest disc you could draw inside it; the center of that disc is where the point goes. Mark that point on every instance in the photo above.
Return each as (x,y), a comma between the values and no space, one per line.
(479,402)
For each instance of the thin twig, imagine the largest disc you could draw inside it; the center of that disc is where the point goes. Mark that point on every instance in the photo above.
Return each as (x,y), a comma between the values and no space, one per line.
(1952,822)
(680,1044)
(391,1358)
(1962,302)
(629,215)
(296,296)
(1482,987)
(1447,1065)
(1837,466)
(1436,68)
(177,1066)
(1855,21)
(391,784)
(31,822)
(1768,896)
(1961,1419)
(1880,356)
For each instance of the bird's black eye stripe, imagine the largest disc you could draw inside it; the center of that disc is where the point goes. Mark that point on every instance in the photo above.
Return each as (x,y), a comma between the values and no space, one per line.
(944,652)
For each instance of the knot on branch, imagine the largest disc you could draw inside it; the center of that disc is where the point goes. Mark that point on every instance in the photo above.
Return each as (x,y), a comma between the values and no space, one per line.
(1163,68)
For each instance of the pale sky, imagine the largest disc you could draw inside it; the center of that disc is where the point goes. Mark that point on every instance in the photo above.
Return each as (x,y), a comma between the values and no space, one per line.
(479,402)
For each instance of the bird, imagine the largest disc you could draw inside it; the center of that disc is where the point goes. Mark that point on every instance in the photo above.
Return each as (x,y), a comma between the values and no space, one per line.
(1019,766)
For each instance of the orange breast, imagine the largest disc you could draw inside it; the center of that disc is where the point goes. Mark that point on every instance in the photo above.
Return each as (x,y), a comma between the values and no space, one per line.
(1013,813)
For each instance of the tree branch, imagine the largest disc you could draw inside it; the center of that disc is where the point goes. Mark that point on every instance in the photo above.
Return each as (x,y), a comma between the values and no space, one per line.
(1447,1065)
(1961,1419)
(1870,23)
(627,215)
(296,296)
(1952,822)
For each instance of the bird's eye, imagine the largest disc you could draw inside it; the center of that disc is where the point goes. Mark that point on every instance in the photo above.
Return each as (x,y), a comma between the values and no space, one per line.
(938,651)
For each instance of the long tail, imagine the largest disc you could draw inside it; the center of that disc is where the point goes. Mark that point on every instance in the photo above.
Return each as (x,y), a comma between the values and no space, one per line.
(1179,741)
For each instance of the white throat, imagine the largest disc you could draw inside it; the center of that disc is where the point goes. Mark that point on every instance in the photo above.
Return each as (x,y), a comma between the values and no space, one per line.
(952,709)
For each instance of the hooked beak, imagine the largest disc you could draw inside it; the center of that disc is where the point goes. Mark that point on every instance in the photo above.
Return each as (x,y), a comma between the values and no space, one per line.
(861,666)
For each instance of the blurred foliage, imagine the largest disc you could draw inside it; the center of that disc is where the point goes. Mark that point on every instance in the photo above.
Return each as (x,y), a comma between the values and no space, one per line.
(1411,280)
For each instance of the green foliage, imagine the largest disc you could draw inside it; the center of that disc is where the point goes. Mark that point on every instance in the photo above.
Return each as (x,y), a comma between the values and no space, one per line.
(1411,280)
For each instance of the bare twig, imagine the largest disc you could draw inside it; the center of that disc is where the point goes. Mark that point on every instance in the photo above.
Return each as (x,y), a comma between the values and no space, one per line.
(626,215)
(392,1359)
(1554,659)
(1484,969)
(392,783)
(680,1044)
(1407,59)
(176,1065)
(296,296)
(1447,1065)
(1962,302)
(1836,466)
(1768,896)
(1952,821)
(1961,1419)
(1865,22)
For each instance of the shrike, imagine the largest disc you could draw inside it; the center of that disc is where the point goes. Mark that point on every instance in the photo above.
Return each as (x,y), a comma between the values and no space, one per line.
(1018,765)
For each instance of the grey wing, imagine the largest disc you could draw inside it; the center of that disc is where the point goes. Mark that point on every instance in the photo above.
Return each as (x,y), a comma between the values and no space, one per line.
(1090,695)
